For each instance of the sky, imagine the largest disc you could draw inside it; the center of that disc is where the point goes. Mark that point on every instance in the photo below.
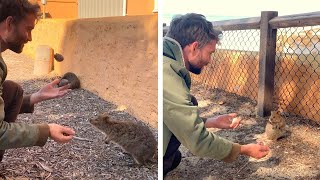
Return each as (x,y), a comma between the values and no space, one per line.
(236,9)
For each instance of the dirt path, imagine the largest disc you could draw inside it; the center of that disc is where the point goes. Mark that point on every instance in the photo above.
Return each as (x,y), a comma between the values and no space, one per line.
(294,157)
(81,159)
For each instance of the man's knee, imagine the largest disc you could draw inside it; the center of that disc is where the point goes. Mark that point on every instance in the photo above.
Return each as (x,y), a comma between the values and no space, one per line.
(11,89)
(12,95)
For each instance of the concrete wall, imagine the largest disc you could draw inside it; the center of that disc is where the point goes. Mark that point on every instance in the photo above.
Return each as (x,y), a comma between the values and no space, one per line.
(115,58)
(47,32)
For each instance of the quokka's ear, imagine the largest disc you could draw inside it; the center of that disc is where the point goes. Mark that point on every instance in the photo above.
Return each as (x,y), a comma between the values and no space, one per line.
(105,117)
(94,120)
(272,113)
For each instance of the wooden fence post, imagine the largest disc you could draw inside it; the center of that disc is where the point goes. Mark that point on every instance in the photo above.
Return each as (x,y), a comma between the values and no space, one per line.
(268,38)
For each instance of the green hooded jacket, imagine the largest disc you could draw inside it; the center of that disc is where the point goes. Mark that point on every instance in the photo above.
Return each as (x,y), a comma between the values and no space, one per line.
(16,135)
(181,117)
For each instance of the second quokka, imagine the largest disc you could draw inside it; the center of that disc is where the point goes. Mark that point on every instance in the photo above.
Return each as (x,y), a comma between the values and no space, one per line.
(134,138)
(71,78)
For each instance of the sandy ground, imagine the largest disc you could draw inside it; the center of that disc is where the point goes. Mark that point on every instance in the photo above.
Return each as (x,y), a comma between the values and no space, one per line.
(87,158)
(294,157)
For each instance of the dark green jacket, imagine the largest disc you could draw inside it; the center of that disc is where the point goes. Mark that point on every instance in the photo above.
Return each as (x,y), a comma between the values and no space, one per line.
(16,135)
(181,117)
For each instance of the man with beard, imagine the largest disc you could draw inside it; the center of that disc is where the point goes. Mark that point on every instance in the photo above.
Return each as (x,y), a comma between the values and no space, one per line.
(17,20)
(188,46)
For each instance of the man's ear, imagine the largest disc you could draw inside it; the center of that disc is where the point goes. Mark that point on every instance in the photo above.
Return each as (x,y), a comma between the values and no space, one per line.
(9,22)
(194,48)
(191,51)
(104,116)
(194,45)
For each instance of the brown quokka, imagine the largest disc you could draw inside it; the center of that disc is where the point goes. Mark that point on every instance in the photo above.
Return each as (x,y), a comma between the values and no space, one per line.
(134,138)
(276,127)
(71,78)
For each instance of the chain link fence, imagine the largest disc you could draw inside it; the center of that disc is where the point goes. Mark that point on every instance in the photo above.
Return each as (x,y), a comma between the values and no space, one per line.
(235,68)
(297,72)
(235,64)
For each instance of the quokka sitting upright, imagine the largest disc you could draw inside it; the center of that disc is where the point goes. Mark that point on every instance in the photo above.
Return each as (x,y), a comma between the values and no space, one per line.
(134,138)
(276,127)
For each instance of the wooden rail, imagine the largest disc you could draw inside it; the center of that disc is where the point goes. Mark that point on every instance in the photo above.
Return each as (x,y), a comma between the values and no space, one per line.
(297,20)
(238,24)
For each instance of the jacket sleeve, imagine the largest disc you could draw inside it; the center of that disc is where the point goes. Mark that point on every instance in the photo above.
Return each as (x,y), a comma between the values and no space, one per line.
(26,107)
(182,119)
(16,135)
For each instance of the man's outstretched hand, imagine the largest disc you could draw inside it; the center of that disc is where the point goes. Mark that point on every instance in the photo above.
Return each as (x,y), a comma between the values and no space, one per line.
(226,121)
(49,91)
(60,134)
(256,151)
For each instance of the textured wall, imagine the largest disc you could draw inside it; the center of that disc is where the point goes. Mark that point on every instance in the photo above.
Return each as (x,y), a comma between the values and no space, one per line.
(115,58)
(47,32)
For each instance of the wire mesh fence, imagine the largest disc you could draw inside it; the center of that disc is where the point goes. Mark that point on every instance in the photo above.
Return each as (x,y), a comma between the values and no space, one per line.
(297,72)
(235,68)
(235,64)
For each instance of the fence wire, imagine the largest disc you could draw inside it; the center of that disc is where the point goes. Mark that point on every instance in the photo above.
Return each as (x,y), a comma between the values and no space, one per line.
(297,71)
(235,64)
(235,68)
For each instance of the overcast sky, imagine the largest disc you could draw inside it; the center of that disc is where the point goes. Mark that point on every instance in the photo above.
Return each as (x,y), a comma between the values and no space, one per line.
(241,8)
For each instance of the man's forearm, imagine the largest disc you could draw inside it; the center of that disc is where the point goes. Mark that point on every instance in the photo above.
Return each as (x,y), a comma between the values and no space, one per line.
(35,98)
(210,122)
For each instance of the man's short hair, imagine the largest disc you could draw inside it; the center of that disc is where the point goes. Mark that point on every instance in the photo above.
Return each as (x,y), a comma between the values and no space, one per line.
(18,9)
(192,27)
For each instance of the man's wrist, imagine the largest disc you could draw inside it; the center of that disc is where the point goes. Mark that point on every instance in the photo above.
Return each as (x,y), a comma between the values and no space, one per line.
(35,98)
(44,134)
(210,123)
(50,128)
(244,149)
